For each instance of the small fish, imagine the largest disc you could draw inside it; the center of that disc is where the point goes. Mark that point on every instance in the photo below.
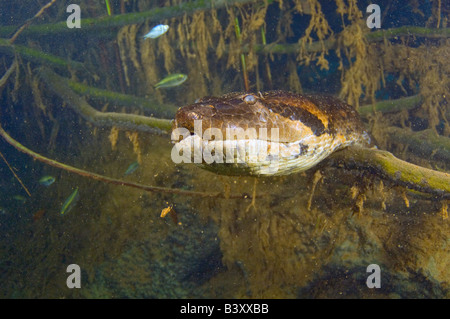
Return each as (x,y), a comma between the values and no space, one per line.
(3,211)
(70,202)
(171,80)
(47,180)
(130,170)
(157,31)
(20,198)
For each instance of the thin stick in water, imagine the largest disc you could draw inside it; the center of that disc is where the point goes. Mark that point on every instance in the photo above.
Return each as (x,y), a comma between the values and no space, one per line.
(15,175)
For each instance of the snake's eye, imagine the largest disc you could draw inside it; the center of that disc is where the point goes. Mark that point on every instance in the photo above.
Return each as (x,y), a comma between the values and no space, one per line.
(250,99)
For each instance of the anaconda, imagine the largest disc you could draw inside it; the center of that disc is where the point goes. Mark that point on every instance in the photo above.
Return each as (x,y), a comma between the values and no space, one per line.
(233,134)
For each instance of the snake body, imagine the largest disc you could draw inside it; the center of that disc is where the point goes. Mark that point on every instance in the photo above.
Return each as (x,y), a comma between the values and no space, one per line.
(309,128)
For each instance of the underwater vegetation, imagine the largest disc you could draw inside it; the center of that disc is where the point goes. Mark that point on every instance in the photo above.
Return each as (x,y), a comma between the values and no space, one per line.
(89,105)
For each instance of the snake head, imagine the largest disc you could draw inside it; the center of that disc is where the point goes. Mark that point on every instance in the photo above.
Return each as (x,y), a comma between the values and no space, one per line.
(273,133)
(230,110)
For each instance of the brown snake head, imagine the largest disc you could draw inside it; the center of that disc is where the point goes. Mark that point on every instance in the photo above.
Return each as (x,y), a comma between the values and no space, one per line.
(308,128)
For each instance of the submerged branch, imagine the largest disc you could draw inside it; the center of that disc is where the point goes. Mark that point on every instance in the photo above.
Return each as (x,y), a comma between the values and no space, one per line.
(60,86)
(39,57)
(8,73)
(422,143)
(15,175)
(408,31)
(386,106)
(273,48)
(94,25)
(109,180)
(426,143)
(100,24)
(28,22)
(332,42)
(399,172)
(119,99)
